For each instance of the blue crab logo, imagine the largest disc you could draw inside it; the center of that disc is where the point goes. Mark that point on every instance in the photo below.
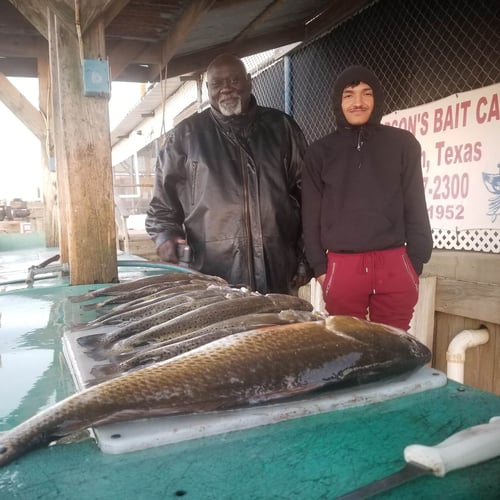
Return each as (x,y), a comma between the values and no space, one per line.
(492,183)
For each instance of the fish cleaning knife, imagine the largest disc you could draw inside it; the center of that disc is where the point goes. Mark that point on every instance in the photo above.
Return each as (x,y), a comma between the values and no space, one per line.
(467,447)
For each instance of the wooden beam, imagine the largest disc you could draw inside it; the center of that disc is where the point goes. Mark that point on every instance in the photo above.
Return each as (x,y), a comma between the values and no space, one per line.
(24,67)
(176,36)
(472,300)
(84,143)
(198,62)
(103,10)
(22,108)
(258,20)
(55,125)
(49,185)
(121,54)
(35,12)
(333,15)
(134,73)
(150,54)
(23,46)
(65,13)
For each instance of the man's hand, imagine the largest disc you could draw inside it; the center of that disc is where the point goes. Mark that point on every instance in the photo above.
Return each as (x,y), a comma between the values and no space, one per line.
(167,251)
(302,276)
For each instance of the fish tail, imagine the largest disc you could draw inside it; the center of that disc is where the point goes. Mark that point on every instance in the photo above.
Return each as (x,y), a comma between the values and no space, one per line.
(101,373)
(31,434)
(91,307)
(82,298)
(80,326)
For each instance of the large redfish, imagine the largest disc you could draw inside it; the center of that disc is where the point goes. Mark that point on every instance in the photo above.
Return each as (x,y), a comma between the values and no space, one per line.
(246,368)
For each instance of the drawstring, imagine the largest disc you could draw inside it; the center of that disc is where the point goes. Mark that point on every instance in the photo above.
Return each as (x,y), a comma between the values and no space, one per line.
(364,263)
(378,259)
(369,262)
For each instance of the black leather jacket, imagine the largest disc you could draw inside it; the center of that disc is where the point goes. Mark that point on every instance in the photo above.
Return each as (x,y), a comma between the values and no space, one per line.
(231,186)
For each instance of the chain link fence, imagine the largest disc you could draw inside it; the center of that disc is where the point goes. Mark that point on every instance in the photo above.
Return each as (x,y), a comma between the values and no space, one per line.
(421,50)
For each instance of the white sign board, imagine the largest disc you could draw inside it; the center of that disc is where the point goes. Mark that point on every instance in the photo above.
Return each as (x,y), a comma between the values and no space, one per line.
(460,138)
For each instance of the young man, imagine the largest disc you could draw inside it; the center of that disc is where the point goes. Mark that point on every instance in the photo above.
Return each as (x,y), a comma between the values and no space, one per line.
(366,227)
(228,182)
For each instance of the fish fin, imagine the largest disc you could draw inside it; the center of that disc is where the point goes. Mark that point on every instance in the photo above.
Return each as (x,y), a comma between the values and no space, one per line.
(74,437)
(103,373)
(97,354)
(91,341)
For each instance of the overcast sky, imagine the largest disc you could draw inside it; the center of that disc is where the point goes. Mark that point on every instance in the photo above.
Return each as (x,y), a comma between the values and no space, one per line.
(20,150)
(20,170)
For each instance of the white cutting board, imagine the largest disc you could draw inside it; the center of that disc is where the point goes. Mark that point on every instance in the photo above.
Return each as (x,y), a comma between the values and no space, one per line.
(136,435)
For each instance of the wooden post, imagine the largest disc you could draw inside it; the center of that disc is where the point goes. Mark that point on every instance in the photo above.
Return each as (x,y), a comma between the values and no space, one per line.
(56,129)
(49,186)
(84,142)
(422,323)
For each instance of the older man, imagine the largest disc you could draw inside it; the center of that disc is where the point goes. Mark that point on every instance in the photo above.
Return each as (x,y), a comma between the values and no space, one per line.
(228,184)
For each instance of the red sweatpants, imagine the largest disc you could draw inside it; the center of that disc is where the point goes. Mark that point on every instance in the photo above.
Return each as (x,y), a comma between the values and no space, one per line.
(381,286)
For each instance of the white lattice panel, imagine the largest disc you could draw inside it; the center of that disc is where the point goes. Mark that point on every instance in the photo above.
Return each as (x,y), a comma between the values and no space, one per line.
(475,240)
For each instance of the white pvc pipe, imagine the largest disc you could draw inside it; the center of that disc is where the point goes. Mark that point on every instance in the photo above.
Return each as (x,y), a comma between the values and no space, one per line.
(455,355)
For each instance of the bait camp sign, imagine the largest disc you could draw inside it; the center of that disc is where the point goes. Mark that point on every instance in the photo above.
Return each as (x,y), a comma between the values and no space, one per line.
(460,138)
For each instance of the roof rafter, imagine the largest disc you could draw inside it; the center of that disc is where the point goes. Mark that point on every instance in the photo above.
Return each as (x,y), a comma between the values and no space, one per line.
(176,36)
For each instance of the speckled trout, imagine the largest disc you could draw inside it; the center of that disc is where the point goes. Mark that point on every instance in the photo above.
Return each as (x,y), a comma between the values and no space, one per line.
(207,314)
(247,368)
(159,303)
(142,294)
(197,338)
(107,340)
(126,286)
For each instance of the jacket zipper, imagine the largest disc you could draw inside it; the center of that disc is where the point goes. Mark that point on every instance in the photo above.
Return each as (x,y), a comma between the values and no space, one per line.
(359,146)
(194,172)
(246,217)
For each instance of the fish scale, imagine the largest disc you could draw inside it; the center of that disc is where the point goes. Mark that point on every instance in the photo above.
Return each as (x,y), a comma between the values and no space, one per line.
(148,308)
(211,313)
(103,340)
(136,296)
(140,301)
(126,286)
(251,367)
(180,345)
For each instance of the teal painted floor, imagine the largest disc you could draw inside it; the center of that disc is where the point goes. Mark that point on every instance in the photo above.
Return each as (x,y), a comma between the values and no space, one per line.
(315,457)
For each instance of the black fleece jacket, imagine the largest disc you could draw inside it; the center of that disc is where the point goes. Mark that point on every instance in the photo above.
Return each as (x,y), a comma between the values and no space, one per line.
(362,187)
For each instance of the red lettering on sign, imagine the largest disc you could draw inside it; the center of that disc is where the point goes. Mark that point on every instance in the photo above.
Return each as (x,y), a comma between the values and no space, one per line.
(487,111)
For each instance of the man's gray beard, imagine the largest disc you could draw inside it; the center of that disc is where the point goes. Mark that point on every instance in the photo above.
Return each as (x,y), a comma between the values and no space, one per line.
(229,109)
